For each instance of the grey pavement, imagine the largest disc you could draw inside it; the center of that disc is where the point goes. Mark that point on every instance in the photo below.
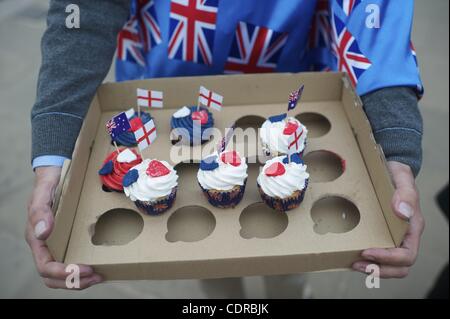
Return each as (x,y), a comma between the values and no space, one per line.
(22,23)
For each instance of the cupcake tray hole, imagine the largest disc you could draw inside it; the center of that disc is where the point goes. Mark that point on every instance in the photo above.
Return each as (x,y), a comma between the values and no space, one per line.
(317,124)
(334,214)
(260,221)
(117,227)
(190,224)
(250,121)
(324,166)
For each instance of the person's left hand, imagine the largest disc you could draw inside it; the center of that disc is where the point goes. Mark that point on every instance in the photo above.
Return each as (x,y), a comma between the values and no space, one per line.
(396,262)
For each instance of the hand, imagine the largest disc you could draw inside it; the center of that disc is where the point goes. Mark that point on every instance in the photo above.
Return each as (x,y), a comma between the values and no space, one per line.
(39,226)
(396,262)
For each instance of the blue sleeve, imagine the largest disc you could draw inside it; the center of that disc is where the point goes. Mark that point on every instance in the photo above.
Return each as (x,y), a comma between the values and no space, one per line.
(48,160)
(378,52)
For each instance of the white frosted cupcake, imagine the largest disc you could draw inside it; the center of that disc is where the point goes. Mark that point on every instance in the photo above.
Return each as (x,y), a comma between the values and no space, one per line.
(223,177)
(282,185)
(275,133)
(152,186)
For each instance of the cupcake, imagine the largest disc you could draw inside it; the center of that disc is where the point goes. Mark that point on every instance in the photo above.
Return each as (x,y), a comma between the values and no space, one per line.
(182,123)
(127,138)
(152,186)
(282,185)
(275,132)
(114,168)
(222,178)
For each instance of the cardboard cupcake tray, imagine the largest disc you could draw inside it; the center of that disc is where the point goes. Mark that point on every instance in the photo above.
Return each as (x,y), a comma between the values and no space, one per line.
(346,207)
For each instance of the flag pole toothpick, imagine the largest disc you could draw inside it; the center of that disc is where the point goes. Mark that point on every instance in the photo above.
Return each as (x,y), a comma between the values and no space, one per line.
(116,147)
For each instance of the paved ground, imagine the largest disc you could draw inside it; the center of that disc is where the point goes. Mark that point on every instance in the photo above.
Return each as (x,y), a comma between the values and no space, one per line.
(21,25)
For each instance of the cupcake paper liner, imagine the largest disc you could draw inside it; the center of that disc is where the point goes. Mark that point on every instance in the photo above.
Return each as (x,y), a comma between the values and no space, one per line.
(159,206)
(225,199)
(111,190)
(284,204)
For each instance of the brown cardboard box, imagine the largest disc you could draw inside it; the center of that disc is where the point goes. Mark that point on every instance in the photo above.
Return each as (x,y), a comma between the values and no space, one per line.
(346,207)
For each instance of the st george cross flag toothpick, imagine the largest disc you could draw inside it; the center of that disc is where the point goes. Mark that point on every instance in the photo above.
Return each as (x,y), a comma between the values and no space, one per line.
(294,97)
(210,99)
(222,145)
(294,141)
(145,134)
(146,98)
(118,125)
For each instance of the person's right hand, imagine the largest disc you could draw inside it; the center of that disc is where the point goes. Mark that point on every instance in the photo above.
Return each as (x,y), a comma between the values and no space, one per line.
(39,226)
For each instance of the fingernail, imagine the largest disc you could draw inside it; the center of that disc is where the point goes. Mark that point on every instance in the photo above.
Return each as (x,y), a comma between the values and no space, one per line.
(405,209)
(40,228)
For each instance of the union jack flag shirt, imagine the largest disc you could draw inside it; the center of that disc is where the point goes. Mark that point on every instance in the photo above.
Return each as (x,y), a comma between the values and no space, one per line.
(369,40)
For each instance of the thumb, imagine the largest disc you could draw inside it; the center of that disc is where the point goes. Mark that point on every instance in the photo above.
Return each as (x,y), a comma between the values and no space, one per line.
(405,199)
(40,214)
(42,221)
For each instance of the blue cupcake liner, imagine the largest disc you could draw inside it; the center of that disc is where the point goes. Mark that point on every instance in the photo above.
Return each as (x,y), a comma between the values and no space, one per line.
(157,207)
(225,199)
(284,204)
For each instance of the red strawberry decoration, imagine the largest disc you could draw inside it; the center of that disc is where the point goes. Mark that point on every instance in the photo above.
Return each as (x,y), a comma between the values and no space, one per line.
(290,128)
(201,116)
(276,169)
(231,158)
(157,169)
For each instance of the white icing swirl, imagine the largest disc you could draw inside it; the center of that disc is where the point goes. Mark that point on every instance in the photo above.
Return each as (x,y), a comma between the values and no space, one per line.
(224,177)
(274,140)
(148,188)
(285,185)
(183,112)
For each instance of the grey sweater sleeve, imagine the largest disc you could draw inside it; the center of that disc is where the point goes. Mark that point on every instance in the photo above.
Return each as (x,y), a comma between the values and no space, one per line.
(397,124)
(74,63)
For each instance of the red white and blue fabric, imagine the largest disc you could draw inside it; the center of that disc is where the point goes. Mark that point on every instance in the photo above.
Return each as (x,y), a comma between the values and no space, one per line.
(149,25)
(320,33)
(192,30)
(129,43)
(255,49)
(348,5)
(349,57)
(208,37)
(414,53)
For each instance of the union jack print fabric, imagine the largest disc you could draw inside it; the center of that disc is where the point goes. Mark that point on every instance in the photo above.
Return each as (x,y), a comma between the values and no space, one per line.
(129,44)
(255,49)
(348,5)
(149,25)
(349,57)
(192,30)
